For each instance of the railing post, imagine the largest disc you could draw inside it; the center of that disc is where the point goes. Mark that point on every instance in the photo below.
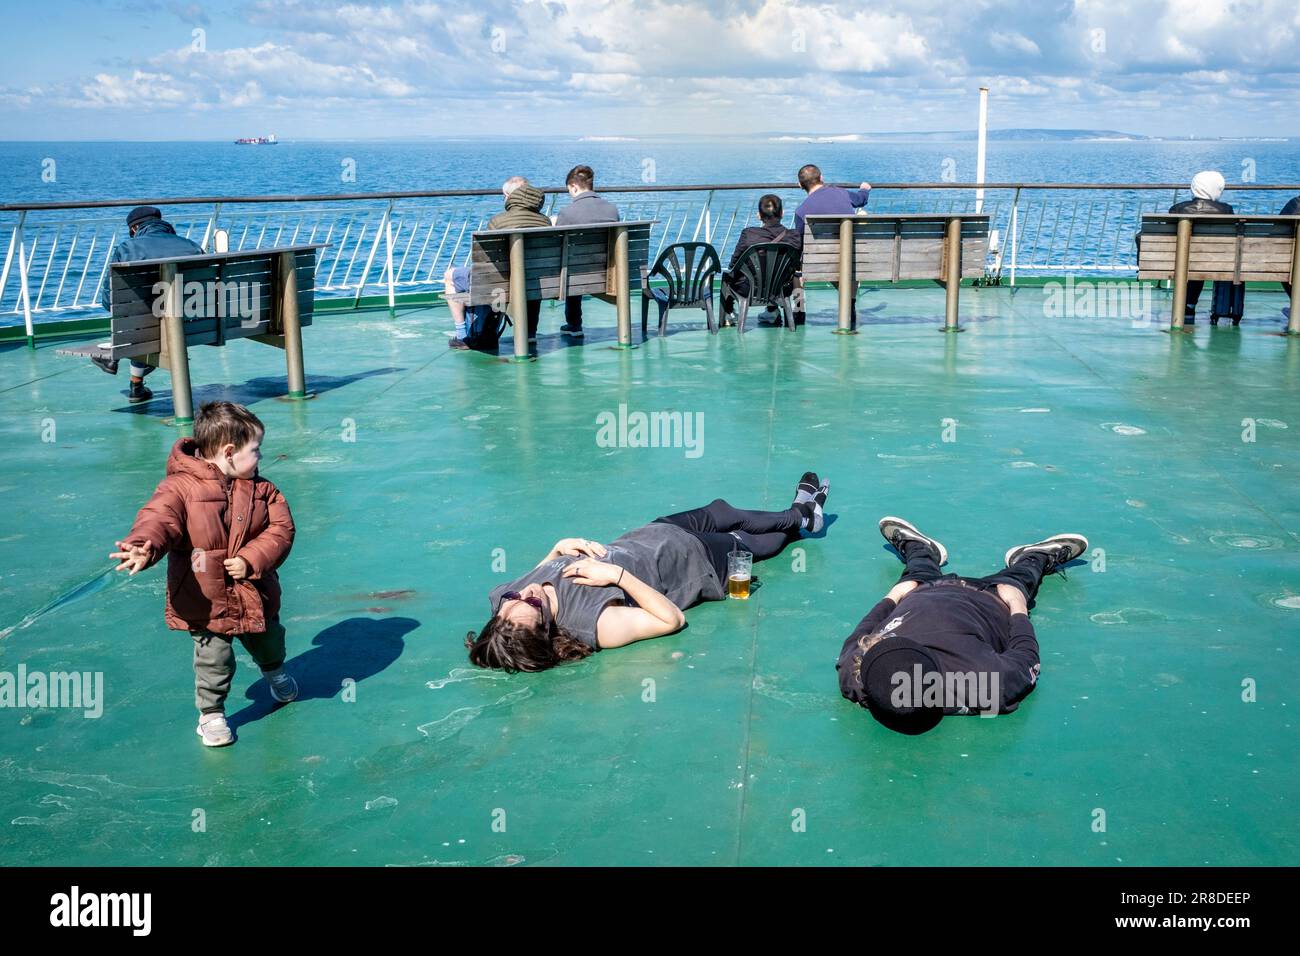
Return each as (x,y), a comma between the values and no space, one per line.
(388,252)
(1015,232)
(291,326)
(844,325)
(22,282)
(173,340)
(211,227)
(518,308)
(952,271)
(622,294)
(370,257)
(9,256)
(1181,248)
(1293,323)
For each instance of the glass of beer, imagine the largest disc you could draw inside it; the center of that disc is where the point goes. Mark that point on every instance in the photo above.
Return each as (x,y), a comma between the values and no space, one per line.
(740,566)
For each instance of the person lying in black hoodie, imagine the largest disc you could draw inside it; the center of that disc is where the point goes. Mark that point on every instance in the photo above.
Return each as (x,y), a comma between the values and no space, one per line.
(940,644)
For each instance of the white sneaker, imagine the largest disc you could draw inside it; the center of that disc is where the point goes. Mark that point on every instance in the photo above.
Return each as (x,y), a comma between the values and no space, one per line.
(283,687)
(215,731)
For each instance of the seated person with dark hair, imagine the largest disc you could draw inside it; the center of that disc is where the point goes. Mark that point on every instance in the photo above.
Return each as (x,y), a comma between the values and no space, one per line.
(586,207)
(827,200)
(771,230)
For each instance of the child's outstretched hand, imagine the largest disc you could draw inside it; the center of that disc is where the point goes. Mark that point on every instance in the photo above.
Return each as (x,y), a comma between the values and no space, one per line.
(237,568)
(134,557)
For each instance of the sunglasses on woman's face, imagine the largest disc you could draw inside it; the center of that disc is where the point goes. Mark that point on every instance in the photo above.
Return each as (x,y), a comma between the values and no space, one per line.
(530,601)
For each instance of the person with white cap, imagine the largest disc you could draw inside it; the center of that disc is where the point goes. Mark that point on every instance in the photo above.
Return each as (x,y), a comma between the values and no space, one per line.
(1229,299)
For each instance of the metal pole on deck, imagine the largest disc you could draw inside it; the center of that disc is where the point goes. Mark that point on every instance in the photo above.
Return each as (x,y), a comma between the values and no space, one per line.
(846,290)
(952,271)
(622,294)
(518,306)
(1293,324)
(1181,248)
(291,327)
(983,142)
(178,360)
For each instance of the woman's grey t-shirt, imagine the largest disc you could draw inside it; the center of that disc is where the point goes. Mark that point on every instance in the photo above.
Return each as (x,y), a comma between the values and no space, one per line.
(672,561)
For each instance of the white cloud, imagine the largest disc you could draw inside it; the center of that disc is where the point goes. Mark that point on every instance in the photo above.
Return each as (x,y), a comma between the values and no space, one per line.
(891,61)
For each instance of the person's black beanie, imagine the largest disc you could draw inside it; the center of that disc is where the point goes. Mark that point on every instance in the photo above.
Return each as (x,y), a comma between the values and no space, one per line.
(141,213)
(893,656)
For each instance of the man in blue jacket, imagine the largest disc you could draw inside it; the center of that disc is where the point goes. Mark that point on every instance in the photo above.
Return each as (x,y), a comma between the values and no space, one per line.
(585,207)
(150,238)
(942,644)
(827,200)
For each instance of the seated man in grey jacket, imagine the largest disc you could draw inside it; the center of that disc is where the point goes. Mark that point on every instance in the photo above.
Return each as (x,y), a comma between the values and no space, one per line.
(942,644)
(585,207)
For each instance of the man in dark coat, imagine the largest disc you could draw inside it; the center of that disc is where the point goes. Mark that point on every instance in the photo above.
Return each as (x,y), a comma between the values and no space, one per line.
(150,238)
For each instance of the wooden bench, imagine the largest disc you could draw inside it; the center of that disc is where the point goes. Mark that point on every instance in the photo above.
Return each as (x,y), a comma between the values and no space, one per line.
(849,249)
(509,267)
(209,299)
(1227,248)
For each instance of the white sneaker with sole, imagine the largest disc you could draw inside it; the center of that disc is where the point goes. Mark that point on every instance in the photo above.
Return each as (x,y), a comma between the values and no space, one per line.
(215,731)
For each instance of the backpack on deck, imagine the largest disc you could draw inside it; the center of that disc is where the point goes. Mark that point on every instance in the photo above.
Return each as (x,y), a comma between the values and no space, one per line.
(1229,302)
(483,328)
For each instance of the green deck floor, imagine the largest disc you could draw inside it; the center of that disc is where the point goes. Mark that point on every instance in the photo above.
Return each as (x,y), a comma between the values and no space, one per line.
(1131,436)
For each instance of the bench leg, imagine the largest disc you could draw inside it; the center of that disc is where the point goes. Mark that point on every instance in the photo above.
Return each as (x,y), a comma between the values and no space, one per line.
(518,298)
(952,276)
(847,285)
(1293,323)
(292,327)
(1181,248)
(622,292)
(178,360)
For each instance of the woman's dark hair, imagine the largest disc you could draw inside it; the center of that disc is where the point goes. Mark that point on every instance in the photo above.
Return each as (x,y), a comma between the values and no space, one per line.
(512,647)
(769,208)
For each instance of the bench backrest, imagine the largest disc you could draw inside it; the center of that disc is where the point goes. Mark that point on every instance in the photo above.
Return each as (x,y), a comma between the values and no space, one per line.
(559,261)
(892,248)
(223,296)
(1227,247)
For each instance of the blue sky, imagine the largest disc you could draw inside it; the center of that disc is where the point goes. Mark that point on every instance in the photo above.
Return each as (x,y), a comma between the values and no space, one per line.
(173,69)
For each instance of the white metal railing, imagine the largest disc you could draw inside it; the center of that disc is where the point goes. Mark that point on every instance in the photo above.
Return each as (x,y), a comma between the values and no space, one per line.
(57,255)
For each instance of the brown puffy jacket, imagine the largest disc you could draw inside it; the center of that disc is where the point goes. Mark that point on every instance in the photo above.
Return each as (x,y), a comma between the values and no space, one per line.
(198,517)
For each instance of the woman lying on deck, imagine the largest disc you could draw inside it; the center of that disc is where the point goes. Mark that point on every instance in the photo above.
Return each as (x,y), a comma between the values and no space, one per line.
(584,597)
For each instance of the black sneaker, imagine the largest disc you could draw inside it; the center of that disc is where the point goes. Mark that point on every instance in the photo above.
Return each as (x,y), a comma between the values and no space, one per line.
(1060,549)
(574,331)
(107,364)
(454,343)
(138,393)
(898,532)
(810,498)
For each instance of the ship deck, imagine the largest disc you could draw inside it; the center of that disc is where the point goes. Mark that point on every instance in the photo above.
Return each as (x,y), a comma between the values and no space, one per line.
(1130,435)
